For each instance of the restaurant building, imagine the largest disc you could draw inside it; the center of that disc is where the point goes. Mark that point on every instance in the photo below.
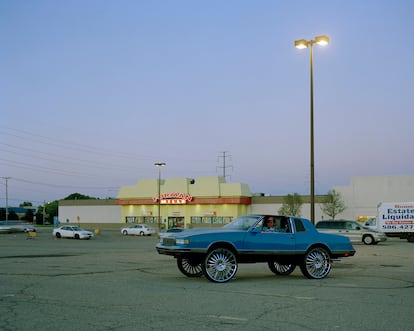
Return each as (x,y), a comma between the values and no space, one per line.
(184,202)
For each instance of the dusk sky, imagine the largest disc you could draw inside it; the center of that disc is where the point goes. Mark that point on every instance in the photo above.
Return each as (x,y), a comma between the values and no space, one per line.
(93,92)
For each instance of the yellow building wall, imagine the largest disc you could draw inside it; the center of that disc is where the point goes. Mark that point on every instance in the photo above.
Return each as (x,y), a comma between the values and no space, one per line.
(200,187)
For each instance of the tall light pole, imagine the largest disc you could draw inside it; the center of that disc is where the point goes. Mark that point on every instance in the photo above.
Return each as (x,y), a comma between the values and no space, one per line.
(302,43)
(7,198)
(159,165)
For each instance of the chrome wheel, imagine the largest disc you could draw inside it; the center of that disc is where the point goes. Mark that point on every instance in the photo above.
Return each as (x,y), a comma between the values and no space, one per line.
(316,263)
(220,265)
(190,267)
(281,269)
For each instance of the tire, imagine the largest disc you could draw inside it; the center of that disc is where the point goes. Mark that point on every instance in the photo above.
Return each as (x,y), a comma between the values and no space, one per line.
(190,267)
(220,265)
(125,232)
(368,240)
(77,236)
(58,235)
(316,263)
(281,269)
(141,233)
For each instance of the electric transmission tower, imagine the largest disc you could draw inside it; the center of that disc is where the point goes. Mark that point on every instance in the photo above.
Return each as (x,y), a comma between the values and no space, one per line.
(224,156)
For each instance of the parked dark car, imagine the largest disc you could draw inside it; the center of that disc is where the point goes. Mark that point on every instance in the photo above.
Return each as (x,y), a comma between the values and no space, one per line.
(216,252)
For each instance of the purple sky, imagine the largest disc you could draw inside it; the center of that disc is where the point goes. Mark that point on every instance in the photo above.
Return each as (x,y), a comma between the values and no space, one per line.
(93,92)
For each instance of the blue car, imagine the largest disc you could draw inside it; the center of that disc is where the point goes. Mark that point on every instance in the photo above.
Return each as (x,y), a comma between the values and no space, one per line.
(293,241)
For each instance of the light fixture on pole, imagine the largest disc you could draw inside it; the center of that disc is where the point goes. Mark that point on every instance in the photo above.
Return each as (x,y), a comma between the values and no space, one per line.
(159,165)
(302,43)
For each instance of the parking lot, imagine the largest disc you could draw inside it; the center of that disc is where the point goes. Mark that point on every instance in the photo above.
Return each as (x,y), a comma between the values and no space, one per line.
(116,282)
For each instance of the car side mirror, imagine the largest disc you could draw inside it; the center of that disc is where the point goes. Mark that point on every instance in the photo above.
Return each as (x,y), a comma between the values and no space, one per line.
(257,229)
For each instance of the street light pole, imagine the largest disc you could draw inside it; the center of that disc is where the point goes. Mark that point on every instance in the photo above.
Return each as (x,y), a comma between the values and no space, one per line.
(159,165)
(302,43)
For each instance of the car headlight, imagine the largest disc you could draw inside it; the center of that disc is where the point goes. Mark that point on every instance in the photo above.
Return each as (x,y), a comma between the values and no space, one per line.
(182,241)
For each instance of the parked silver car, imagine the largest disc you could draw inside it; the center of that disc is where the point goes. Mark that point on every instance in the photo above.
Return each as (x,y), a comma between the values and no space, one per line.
(352,229)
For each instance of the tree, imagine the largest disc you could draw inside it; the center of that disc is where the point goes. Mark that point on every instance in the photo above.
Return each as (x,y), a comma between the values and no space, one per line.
(29,215)
(26,204)
(292,205)
(13,216)
(78,196)
(333,204)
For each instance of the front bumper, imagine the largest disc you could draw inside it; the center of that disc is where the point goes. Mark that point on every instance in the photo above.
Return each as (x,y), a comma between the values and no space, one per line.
(171,250)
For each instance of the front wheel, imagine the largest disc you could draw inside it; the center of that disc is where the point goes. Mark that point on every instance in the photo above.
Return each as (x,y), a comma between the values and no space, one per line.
(220,265)
(368,240)
(281,269)
(316,263)
(190,267)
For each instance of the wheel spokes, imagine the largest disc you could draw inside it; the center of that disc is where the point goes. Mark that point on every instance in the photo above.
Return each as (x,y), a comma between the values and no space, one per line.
(318,263)
(221,265)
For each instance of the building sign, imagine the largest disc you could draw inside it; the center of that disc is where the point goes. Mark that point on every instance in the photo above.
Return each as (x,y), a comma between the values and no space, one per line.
(173,198)
(173,201)
(396,216)
(210,213)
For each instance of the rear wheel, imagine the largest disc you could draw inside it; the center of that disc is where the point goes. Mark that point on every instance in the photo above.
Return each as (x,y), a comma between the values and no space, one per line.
(281,269)
(190,267)
(125,232)
(77,236)
(141,233)
(220,265)
(58,235)
(316,263)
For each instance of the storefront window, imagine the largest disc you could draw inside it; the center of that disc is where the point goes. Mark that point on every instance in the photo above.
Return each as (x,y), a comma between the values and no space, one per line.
(196,219)
(146,219)
(131,219)
(211,219)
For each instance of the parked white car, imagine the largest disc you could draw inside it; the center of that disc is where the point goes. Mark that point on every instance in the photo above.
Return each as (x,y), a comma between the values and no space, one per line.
(72,231)
(138,230)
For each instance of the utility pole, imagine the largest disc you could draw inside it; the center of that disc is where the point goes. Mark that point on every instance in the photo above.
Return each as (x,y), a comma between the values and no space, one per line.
(7,198)
(224,156)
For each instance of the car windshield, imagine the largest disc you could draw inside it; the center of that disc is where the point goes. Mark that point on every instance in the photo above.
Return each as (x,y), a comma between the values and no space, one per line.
(243,223)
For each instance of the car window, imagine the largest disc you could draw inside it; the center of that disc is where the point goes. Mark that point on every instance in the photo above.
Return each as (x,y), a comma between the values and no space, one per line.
(243,223)
(352,226)
(322,225)
(299,225)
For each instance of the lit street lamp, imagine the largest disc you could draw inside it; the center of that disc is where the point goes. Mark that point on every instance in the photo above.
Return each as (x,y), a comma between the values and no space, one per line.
(302,43)
(159,165)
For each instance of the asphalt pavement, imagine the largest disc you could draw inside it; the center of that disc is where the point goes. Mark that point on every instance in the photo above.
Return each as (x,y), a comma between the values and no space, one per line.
(116,282)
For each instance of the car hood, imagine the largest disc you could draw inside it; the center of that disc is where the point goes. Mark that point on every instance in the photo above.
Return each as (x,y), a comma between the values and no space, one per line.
(202,231)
